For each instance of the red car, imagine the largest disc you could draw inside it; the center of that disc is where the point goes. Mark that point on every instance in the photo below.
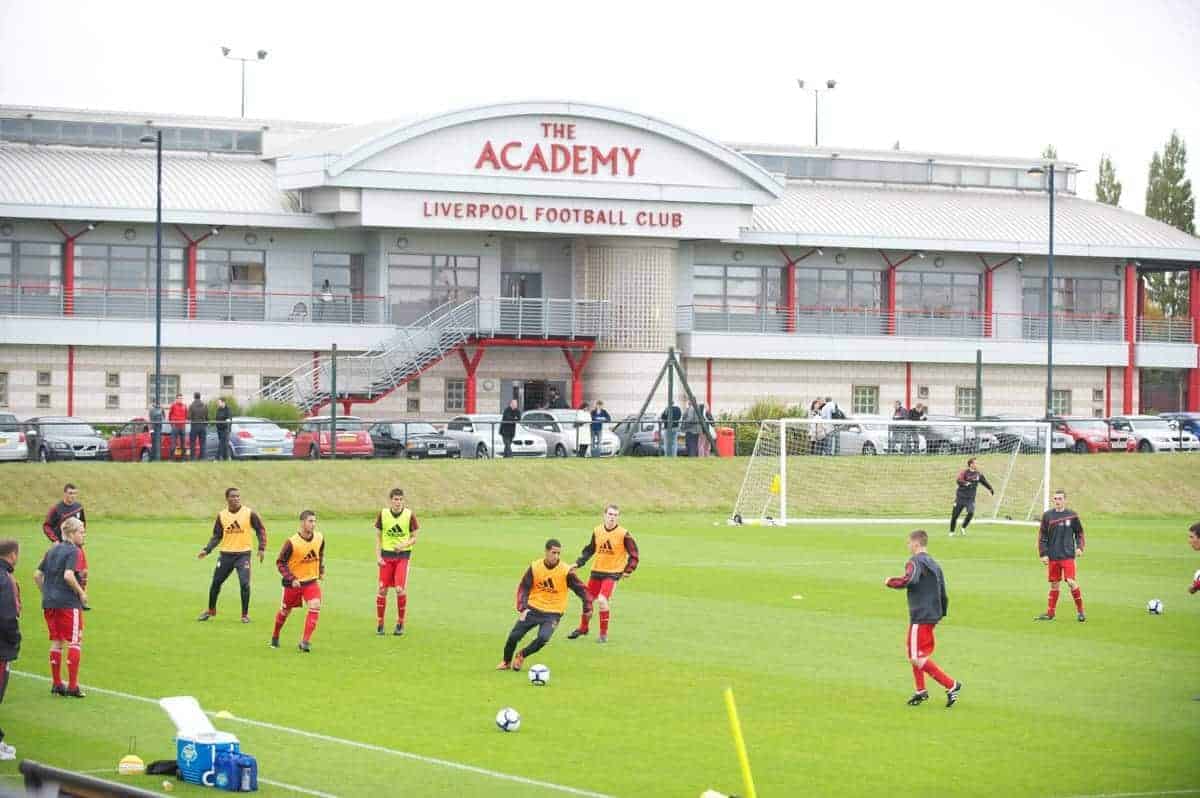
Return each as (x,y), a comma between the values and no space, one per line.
(353,440)
(132,441)
(1091,435)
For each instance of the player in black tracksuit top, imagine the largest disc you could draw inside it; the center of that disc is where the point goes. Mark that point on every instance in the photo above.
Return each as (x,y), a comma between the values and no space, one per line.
(1060,541)
(969,480)
(927,604)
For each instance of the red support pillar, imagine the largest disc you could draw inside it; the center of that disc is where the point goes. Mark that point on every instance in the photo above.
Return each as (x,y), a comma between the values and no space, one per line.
(1131,316)
(789,297)
(470,364)
(708,383)
(316,373)
(1193,402)
(70,380)
(908,384)
(890,285)
(987,303)
(346,405)
(190,277)
(577,374)
(1107,391)
(68,274)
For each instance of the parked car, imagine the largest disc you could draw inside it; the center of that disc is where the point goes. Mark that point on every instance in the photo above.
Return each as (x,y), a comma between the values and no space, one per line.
(132,442)
(557,428)
(479,436)
(1154,434)
(872,435)
(1012,431)
(952,436)
(414,440)
(63,438)
(12,439)
(643,436)
(256,438)
(1088,435)
(314,441)
(1189,422)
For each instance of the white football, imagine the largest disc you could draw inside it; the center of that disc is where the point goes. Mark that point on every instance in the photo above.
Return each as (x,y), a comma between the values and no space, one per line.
(1154,607)
(539,676)
(1196,578)
(508,720)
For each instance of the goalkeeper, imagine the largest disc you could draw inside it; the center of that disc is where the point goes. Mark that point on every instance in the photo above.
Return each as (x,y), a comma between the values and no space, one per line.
(969,480)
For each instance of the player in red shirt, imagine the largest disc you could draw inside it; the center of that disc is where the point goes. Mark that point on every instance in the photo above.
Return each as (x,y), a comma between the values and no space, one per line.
(1060,542)
(62,601)
(69,507)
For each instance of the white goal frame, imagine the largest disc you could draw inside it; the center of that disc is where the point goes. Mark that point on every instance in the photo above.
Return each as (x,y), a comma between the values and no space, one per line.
(1027,438)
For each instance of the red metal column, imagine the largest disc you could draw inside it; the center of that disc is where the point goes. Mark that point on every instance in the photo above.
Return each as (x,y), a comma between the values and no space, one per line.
(577,374)
(708,383)
(69,278)
(346,405)
(70,380)
(908,384)
(1131,314)
(789,297)
(890,276)
(190,277)
(470,364)
(1107,391)
(1193,402)
(987,303)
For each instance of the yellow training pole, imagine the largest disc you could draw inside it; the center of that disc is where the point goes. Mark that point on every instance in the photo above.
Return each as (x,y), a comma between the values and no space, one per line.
(739,743)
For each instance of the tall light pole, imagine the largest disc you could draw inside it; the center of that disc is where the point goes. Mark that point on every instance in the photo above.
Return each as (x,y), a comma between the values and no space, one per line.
(1048,170)
(816,92)
(157,141)
(261,56)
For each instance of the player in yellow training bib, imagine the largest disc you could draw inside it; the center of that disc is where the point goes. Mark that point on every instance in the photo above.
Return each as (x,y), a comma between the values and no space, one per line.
(541,601)
(232,532)
(616,556)
(301,563)
(395,533)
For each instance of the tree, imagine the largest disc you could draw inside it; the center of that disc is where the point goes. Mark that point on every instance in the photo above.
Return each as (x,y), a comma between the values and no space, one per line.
(1050,153)
(1108,188)
(1169,199)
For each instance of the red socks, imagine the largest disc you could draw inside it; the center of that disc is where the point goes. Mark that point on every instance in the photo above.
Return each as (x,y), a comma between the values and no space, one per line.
(280,619)
(380,608)
(1052,603)
(584,621)
(1078,596)
(604,622)
(73,668)
(56,666)
(401,607)
(919,678)
(939,676)
(310,623)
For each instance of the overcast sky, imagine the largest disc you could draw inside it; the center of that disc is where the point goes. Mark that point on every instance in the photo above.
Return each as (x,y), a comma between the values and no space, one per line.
(1089,76)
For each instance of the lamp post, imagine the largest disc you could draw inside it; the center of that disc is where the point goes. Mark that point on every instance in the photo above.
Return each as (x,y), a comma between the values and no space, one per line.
(1048,170)
(816,92)
(261,56)
(157,140)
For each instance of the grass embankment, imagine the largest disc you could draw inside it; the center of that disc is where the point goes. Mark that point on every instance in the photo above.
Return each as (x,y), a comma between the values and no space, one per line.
(1137,486)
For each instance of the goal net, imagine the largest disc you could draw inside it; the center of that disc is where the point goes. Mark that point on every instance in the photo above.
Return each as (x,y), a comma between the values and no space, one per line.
(863,470)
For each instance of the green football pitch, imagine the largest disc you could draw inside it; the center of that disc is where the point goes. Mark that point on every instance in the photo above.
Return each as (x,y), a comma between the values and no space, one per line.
(796,620)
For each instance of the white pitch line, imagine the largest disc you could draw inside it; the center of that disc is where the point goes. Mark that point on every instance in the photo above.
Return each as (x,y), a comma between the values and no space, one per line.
(428,760)
(1137,794)
(294,788)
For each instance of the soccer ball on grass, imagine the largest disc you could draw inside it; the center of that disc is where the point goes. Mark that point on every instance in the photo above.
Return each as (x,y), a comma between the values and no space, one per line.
(508,720)
(539,676)
(1154,607)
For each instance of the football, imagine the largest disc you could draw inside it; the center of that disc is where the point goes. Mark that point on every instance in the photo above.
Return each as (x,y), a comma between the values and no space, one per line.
(539,675)
(508,720)
(1154,607)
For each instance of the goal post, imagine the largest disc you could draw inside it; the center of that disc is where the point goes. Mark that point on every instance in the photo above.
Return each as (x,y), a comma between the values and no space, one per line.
(875,470)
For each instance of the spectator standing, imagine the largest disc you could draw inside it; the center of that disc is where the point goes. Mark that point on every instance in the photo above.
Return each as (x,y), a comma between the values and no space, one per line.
(508,425)
(899,412)
(198,416)
(178,415)
(224,420)
(583,429)
(600,417)
(671,417)
(556,401)
(831,412)
(326,300)
(706,430)
(156,430)
(691,429)
(10,624)
(817,444)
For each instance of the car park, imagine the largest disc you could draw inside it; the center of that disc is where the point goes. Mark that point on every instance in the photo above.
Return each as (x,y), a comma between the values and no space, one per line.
(1088,435)
(12,439)
(870,435)
(1154,434)
(314,440)
(415,440)
(1189,422)
(639,437)
(558,428)
(952,436)
(132,442)
(63,438)
(478,435)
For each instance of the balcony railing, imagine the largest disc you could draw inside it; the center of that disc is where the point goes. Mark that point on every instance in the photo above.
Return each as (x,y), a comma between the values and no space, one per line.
(906,323)
(1165,331)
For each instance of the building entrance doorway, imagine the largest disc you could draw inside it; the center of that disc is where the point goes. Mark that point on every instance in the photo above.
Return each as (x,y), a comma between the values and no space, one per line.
(532,394)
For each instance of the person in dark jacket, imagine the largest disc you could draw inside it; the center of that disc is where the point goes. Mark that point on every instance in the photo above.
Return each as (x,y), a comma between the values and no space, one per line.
(223,420)
(156,431)
(927,604)
(508,425)
(10,624)
(198,416)
(1060,541)
(969,480)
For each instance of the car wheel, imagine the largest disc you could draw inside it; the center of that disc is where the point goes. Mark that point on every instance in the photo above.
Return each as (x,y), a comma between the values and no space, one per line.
(1144,446)
(412,456)
(314,453)
(455,455)
(560,451)
(868,448)
(1081,447)
(145,456)
(481,451)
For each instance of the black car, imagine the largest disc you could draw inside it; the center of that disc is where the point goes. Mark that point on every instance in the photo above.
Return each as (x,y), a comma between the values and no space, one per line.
(63,438)
(414,440)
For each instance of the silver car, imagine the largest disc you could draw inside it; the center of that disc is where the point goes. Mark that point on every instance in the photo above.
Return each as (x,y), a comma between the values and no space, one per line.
(1154,434)
(12,439)
(479,436)
(873,435)
(558,428)
(258,438)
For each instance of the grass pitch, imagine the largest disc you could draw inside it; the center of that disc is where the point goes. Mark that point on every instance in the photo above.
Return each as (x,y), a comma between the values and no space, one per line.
(796,620)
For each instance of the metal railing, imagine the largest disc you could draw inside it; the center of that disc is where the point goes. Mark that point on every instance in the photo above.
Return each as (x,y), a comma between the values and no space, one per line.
(828,321)
(1166,331)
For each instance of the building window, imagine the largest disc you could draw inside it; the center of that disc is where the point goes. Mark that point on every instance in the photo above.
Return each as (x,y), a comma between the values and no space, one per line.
(3,389)
(456,396)
(112,401)
(966,402)
(866,400)
(168,386)
(1060,403)
(112,379)
(337,280)
(43,401)
(1097,412)
(226,382)
(43,378)
(118,280)
(1097,394)
(736,289)
(414,404)
(922,391)
(938,293)
(37,275)
(266,381)
(414,385)
(838,289)
(231,284)
(420,283)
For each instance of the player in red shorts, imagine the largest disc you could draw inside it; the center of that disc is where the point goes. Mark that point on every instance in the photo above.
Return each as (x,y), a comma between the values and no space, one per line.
(1194,542)
(395,534)
(62,605)
(927,604)
(301,563)
(69,507)
(616,557)
(1060,541)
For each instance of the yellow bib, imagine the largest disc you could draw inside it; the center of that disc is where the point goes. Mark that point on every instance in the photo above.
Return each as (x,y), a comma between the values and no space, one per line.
(549,591)
(305,562)
(236,530)
(396,534)
(610,550)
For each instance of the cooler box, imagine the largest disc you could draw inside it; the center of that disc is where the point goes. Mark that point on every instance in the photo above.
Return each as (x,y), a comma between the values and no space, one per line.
(725,441)
(197,742)
(236,772)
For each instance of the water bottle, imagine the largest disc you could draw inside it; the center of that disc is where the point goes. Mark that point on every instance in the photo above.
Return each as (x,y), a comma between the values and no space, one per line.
(245,785)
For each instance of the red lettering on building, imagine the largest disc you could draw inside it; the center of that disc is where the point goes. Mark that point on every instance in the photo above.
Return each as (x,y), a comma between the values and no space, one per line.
(487,156)
(556,158)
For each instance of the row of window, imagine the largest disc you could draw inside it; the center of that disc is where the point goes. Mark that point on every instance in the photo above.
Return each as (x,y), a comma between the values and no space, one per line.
(109,134)
(865,400)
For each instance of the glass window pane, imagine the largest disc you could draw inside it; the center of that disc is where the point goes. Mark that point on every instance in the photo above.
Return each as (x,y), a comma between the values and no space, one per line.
(409,277)
(709,271)
(220,139)
(331,259)
(404,259)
